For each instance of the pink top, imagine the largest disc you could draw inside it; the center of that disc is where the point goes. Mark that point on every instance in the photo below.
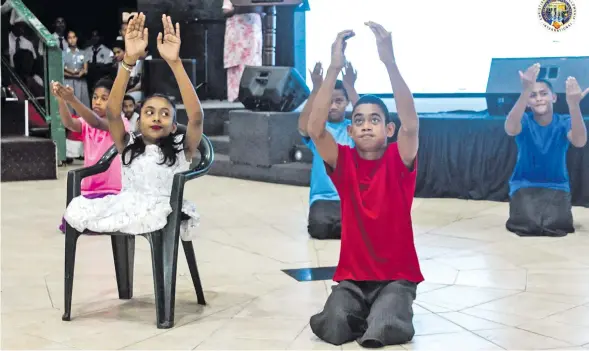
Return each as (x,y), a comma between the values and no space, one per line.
(96,143)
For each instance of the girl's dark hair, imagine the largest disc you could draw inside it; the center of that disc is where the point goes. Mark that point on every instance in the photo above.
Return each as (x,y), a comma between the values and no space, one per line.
(168,145)
(105,83)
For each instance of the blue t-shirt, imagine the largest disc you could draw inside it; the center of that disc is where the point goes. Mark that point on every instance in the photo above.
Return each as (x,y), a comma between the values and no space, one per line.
(322,187)
(541,156)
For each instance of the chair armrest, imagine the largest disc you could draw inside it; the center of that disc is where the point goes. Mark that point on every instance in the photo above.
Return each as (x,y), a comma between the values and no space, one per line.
(74,177)
(207,158)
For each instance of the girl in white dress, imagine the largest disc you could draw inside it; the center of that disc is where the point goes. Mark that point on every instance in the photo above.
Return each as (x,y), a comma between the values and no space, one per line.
(151,158)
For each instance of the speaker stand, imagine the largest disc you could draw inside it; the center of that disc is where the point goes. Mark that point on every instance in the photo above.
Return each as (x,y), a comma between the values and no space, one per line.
(269,28)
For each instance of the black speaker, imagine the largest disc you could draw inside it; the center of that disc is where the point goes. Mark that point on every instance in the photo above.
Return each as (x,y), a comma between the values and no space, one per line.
(504,85)
(158,78)
(272,88)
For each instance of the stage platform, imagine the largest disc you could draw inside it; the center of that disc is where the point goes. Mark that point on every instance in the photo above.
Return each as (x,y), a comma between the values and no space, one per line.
(463,154)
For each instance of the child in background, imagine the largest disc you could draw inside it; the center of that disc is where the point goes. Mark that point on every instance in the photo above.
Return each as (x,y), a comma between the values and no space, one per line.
(74,145)
(93,128)
(129,113)
(75,68)
(150,159)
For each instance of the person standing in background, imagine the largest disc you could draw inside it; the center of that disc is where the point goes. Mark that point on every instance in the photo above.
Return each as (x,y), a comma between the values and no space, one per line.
(243,44)
(75,68)
(60,35)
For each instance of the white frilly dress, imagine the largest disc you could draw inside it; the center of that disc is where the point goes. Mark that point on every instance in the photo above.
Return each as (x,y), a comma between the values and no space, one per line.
(143,204)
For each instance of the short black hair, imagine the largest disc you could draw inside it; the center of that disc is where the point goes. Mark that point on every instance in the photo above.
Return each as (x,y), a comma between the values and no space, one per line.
(129,97)
(374,100)
(548,84)
(105,83)
(119,44)
(339,85)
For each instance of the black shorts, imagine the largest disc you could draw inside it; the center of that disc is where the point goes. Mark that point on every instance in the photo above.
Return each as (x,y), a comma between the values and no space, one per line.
(325,220)
(540,212)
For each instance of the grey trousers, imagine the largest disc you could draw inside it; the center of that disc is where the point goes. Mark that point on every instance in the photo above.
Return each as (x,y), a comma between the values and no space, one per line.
(375,314)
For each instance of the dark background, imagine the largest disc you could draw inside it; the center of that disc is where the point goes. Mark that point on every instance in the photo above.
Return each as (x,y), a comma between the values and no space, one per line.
(105,16)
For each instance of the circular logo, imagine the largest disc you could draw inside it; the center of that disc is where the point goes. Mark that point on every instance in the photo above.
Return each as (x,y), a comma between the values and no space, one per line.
(557,15)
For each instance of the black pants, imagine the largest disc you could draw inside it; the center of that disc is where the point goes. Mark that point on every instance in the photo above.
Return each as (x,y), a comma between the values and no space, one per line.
(375,314)
(325,220)
(540,212)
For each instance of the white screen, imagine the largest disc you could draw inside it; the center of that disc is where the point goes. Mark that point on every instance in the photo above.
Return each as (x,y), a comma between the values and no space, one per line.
(440,46)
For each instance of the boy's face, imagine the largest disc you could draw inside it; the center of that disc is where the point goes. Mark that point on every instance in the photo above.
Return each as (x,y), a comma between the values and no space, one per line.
(541,99)
(369,128)
(95,39)
(337,110)
(59,25)
(72,39)
(119,54)
(99,100)
(128,108)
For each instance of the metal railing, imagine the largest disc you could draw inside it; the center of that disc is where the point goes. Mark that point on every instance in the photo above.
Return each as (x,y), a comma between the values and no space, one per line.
(53,68)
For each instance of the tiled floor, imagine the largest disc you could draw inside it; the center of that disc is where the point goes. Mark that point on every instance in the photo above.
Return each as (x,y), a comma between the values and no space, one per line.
(485,288)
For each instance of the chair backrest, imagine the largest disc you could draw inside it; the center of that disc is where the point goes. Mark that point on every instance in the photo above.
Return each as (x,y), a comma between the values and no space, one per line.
(202,165)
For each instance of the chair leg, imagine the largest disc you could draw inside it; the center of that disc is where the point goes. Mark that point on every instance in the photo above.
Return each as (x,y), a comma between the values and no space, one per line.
(164,253)
(123,249)
(191,259)
(71,238)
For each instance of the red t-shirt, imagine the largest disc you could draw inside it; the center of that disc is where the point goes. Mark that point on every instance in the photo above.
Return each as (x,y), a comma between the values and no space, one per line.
(377,233)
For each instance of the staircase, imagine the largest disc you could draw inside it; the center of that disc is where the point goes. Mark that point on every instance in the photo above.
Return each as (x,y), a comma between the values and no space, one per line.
(24,157)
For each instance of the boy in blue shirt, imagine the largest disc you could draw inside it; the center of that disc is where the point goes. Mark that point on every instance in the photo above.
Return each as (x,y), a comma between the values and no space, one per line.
(539,187)
(324,213)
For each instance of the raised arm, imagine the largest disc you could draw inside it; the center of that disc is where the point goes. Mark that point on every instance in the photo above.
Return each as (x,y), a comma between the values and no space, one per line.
(228,9)
(324,141)
(349,80)
(408,137)
(68,121)
(67,94)
(513,123)
(168,45)
(135,44)
(578,133)
(317,79)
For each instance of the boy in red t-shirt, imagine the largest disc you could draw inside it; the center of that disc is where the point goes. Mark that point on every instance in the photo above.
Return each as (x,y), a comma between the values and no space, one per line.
(378,269)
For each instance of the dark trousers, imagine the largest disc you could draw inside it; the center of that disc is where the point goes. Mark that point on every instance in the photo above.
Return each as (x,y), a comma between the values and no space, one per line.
(375,314)
(325,220)
(540,212)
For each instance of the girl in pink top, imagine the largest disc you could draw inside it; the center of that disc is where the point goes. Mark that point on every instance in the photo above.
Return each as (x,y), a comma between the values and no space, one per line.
(93,127)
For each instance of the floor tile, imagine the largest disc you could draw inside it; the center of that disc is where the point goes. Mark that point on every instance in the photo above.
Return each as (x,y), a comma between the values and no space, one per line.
(485,288)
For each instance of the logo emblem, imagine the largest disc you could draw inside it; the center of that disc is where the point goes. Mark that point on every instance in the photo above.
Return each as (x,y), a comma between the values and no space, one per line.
(557,15)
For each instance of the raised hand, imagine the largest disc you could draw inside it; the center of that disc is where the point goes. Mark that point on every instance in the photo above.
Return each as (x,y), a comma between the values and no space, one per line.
(530,76)
(136,38)
(574,94)
(168,43)
(317,75)
(350,74)
(384,42)
(338,48)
